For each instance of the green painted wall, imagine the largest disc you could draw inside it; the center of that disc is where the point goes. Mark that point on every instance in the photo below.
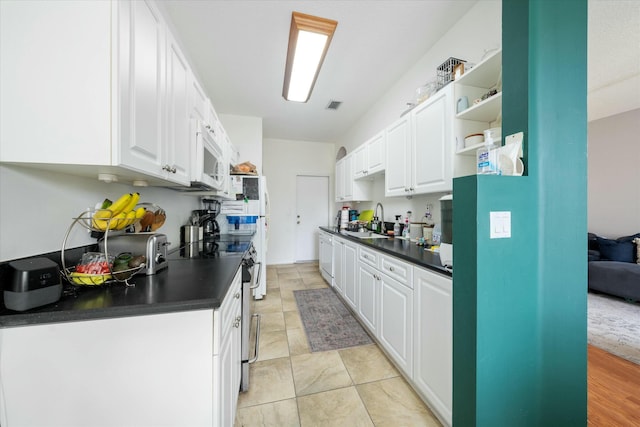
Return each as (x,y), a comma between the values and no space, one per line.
(520,303)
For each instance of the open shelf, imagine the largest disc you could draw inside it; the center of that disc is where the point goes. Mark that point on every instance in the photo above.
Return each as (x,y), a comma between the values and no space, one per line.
(485,111)
(470,151)
(485,73)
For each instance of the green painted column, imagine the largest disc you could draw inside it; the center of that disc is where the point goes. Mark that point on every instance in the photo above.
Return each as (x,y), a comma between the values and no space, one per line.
(520,356)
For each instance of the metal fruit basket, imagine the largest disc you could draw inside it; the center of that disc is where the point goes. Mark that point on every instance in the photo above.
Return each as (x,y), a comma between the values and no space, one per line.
(103,221)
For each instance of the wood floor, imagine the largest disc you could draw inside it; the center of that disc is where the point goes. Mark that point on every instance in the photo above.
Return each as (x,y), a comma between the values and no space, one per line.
(614,390)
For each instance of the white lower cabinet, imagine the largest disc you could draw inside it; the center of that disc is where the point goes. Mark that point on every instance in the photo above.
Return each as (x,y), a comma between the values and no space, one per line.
(151,370)
(433,335)
(227,355)
(409,311)
(338,265)
(396,321)
(325,251)
(368,290)
(147,370)
(350,257)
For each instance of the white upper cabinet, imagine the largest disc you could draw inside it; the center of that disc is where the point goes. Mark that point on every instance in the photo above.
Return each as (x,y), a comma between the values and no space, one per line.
(369,157)
(360,162)
(348,188)
(399,146)
(199,101)
(432,148)
(141,55)
(420,149)
(375,151)
(179,137)
(117,99)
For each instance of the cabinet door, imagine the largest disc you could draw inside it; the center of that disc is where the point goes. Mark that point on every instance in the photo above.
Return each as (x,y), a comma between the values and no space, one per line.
(178,113)
(432,153)
(142,62)
(348,178)
(326,256)
(350,269)
(433,354)
(224,403)
(396,321)
(376,154)
(360,161)
(367,296)
(340,180)
(338,265)
(198,100)
(398,147)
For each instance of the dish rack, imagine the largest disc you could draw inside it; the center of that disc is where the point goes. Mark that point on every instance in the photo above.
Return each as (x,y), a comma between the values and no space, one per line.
(87,220)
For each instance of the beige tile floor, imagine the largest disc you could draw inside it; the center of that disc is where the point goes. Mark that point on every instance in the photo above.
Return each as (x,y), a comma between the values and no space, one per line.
(290,386)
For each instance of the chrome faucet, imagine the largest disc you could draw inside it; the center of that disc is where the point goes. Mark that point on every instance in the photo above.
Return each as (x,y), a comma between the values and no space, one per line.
(383,229)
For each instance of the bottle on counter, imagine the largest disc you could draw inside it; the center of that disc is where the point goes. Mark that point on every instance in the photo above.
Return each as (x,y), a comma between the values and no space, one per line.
(344,218)
(405,231)
(396,226)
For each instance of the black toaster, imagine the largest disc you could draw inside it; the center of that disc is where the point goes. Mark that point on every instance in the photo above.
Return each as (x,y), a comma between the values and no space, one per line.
(31,283)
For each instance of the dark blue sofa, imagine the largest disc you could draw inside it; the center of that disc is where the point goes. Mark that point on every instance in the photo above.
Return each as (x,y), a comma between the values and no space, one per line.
(613,266)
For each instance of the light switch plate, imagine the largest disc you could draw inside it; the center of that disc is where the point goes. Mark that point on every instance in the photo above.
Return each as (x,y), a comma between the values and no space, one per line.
(500,225)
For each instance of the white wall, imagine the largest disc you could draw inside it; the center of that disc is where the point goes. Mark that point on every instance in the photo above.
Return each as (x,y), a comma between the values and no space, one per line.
(479,30)
(245,133)
(614,175)
(37,207)
(283,160)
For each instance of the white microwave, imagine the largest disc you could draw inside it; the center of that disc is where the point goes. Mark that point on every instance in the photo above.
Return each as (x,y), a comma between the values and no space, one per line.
(207,159)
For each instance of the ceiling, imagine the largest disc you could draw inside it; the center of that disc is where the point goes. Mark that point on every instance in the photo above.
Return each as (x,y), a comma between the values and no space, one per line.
(238,48)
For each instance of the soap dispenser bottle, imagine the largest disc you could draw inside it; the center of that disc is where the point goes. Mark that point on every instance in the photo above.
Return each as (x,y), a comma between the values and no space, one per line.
(396,226)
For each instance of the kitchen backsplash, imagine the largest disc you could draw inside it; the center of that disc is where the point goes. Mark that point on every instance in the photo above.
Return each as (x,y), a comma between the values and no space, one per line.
(39,206)
(399,205)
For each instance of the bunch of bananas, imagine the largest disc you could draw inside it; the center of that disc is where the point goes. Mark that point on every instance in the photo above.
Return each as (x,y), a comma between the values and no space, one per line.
(118,215)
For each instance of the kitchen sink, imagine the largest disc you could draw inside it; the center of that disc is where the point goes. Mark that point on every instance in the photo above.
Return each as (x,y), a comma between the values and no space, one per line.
(365,235)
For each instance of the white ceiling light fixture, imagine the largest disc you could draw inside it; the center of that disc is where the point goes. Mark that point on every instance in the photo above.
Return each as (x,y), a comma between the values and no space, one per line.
(309,40)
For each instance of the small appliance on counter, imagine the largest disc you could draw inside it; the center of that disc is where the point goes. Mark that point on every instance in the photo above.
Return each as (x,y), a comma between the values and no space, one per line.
(32,283)
(152,245)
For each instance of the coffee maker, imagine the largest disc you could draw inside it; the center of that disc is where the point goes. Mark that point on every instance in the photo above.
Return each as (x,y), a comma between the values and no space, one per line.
(207,217)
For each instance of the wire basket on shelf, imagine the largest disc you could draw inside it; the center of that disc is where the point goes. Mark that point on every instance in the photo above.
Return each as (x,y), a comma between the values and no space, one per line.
(444,72)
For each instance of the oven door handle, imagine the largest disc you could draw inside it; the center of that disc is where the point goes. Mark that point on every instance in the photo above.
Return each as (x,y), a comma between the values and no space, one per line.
(256,282)
(257,342)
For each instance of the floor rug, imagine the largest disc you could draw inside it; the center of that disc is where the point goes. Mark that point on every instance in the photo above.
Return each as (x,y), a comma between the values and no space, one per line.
(614,326)
(328,323)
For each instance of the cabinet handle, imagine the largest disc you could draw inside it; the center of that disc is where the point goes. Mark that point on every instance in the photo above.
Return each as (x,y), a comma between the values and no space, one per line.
(390,268)
(365,256)
(237,295)
(236,325)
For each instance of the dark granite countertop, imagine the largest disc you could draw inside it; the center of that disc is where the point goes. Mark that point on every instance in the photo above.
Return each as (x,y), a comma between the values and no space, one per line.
(186,284)
(400,248)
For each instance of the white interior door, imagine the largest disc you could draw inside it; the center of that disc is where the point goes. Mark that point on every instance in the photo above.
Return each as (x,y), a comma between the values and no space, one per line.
(312,211)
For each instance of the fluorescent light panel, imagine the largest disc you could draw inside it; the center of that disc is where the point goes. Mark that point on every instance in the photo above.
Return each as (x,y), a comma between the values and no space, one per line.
(309,40)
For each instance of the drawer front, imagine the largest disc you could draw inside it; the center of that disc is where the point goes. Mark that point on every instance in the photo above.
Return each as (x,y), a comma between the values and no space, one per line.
(368,257)
(397,269)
